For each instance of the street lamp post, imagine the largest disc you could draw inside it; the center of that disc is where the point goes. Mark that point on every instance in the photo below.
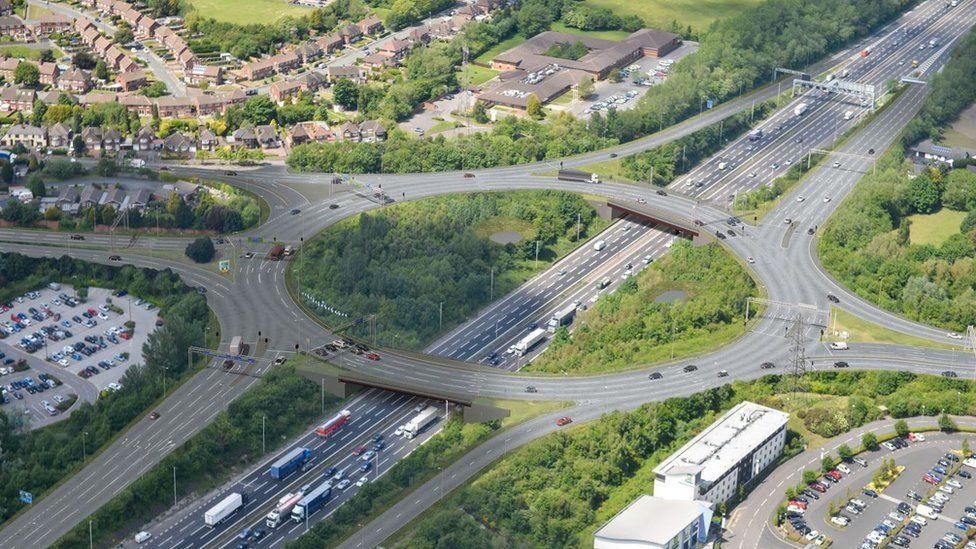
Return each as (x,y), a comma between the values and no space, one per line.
(84,445)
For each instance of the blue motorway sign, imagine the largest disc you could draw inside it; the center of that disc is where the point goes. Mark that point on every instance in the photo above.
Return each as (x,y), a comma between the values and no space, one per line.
(26,497)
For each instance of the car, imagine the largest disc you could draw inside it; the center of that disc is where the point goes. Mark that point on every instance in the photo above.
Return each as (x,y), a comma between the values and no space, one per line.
(366,466)
(661,193)
(826,199)
(949,373)
(343,484)
(531,389)
(613,155)
(800,198)
(812,535)
(841,364)
(655,375)
(912,494)
(362,480)
(953,335)
(368,455)
(964,474)
(372,356)
(869,493)
(358,451)
(840,520)
(399,431)
(295,211)
(565,420)
(77,237)
(115,258)
(468,175)
(258,533)
(230,173)
(333,206)
(245,534)
(751,259)
(787,221)
(818,487)
(723,373)
(767,366)
(690,368)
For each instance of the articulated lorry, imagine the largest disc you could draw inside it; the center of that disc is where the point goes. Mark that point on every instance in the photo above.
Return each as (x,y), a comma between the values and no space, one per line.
(419,422)
(227,507)
(526,344)
(577,175)
(312,502)
(289,463)
(561,318)
(237,346)
(282,510)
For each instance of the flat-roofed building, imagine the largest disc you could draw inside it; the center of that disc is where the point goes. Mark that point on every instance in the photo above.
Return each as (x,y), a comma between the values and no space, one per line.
(729,453)
(656,523)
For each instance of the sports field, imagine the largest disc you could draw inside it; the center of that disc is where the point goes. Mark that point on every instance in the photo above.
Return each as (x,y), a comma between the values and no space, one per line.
(660,13)
(247,11)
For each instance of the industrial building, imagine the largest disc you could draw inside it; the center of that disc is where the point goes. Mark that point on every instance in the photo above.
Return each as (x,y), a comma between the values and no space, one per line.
(729,453)
(656,523)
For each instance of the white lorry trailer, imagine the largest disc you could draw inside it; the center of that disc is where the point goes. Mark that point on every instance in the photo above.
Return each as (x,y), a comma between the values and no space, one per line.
(526,344)
(227,507)
(419,422)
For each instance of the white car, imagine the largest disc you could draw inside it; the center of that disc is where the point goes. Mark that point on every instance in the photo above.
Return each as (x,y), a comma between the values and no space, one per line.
(888,446)
(826,199)
(840,521)
(800,199)
(812,535)
(103,308)
(954,483)
(362,480)
(836,164)
(648,259)
(399,431)
(919,437)
(103,316)
(852,510)
(844,469)
(953,335)
(751,259)
(947,489)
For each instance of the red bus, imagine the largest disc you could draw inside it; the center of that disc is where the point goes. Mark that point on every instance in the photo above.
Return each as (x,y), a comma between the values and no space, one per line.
(328,427)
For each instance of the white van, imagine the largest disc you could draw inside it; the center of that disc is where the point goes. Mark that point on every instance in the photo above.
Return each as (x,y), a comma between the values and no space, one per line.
(142,536)
(838,346)
(848,115)
(722,165)
(599,245)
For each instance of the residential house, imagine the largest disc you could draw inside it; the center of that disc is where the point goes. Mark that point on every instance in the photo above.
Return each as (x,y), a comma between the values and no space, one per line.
(128,65)
(140,199)
(256,70)
(13,27)
(927,152)
(6,8)
(115,197)
(178,144)
(378,61)
(111,139)
(53,97)
(284,62)
(313,131)
(467,12)
(132,81)
(49,72)
(29,136)
(350,33)
(101,45)
(206,140)
(22,194)
(284,90)
(200,73)
(138,103)
(67,200)
(371,131)
(244,137)
(308,51)
(186,59)
(146,26)
(93,138)
(7,67)
(330,43)
(96,98)
(419,35)
(233,97)
(334,73)
(394,48)
(146,140)
(175,107)
(348,132)
(370,25)
(267,136)
(75,80)
(90,196)
(59,136)
(17,99)
(207,105)
(50,23)
(90,35)
(113,57)
(82,24)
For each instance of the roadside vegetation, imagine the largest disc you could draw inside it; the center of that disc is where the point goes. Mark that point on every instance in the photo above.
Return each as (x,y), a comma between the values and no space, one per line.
(37,460)
(231,442)
(401,263)
(556,491)
(736,54)
(630,328)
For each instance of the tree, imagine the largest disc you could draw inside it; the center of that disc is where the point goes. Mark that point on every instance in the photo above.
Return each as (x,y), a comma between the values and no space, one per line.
(869,441)
(345,93)
(827,463)
(809,476)
(946,424)
(201,250)
(46,56)
(790,492)
(924,194)
(6,171)
(533,106)
(481,114)
(83,60)
(533,19)
(52,213)
(36,186)
(586,87)
(844,452)
(101,70)
(106,167)
(260,110)
(156,89)
(78,145)
(27,74)
(901,428)
(124,35)
(40,109)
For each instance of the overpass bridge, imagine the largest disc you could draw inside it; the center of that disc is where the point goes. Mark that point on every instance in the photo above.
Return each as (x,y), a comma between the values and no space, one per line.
(698,233)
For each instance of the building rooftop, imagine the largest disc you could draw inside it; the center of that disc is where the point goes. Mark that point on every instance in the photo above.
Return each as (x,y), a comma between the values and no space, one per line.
(651,520)
(726,441)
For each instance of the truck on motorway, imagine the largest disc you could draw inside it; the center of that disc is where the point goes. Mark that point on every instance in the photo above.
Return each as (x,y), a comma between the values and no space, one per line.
(526,344)
(603,283)
(800,109)
(328,427)
(577,175)
(289,462)
(227,507)
(312,502)
(848,115)
(237,345)
(755,135)
(419,422)
(561,318)
(276,253)
(282,510)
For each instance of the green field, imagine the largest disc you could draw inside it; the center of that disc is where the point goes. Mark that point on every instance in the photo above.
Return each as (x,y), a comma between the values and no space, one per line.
(506,44)
(860,330)
(607,34)
(660,13)
(935,228)
(258,11)
(25,52)
(473,75)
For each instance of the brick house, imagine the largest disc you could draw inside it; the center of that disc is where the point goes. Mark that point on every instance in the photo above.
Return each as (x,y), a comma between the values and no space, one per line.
(370,25)
(29,136)
(75,80)
(133,80)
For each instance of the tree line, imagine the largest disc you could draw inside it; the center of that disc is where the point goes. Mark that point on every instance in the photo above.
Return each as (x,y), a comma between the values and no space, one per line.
(401,263)
(37,460)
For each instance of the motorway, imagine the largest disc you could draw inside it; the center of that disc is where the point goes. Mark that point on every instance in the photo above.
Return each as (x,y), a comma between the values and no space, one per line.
(788,273)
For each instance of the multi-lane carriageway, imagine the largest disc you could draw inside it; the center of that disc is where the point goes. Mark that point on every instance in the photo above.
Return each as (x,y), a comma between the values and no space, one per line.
(788,138)
(372,412)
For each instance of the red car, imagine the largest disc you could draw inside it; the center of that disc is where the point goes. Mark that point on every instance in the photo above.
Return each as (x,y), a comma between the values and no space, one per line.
(799,504)
(928,478)
(564,421)
(359,450)
(818,487)
(834,475)
(372,356)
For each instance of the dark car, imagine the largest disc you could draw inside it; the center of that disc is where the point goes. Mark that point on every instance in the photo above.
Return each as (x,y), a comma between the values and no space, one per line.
(720,235)
(869,493)
(115,258)
(295,211)
(613,155)
(230,172)
(655,375)
(810,231)
(661,193)
(468,175)
(832,298)
(767,365)
(949,373)
(531,389)
(690,368)
(333,206)
(841,364)
(201,290)
(77,237)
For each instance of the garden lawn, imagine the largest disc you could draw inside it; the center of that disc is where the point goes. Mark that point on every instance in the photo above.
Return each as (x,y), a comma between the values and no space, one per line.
(26,53)
(935,228)
(504,45)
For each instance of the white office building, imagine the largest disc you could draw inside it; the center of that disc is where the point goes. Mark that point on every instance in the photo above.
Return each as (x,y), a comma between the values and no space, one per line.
(727,454)
(656,523)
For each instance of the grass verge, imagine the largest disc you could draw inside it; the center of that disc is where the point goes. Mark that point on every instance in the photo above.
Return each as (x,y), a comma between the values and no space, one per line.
(863,331)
